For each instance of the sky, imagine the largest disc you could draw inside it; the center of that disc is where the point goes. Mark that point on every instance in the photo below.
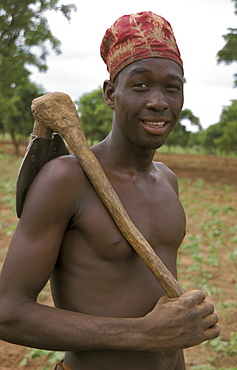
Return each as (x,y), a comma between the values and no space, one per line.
(198,27)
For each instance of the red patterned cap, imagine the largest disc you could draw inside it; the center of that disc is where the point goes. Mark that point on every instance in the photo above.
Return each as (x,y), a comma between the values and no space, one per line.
(138,36)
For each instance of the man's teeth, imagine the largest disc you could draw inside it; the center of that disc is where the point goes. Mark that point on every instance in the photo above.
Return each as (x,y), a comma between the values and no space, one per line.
(155,124)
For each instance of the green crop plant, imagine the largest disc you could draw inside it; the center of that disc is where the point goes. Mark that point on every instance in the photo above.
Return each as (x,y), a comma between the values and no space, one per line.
(229,208)
(234,239)
(214,209)
(11,229)
(50,356)
(212,258)
(199,183)
(233,257)
(224,309)
(226,348)
(202,367)
(232,349)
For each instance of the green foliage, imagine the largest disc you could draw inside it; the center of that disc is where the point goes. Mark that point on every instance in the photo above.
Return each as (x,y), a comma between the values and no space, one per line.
(228,125)
(232,348)
(24,35)
(209,367)
(226,348)
(180,136)
(9,168)
(187,114)
(96,116)
(228,141)
(211,211)
(222,135)
(228,54)
(33,353)
(15,114)
(225,308)
(202,367)
(233,254)
(209,136)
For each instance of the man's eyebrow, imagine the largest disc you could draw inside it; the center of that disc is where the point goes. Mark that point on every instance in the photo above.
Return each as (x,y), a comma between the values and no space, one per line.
(175,77)
(138,71)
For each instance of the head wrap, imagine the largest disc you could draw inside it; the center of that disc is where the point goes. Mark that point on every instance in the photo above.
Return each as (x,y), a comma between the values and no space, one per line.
(138,36)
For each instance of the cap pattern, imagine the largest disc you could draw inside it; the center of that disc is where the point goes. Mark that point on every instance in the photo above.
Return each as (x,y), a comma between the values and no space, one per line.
(138,36)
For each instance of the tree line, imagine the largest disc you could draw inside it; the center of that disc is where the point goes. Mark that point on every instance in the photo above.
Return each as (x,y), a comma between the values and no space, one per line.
(24,38)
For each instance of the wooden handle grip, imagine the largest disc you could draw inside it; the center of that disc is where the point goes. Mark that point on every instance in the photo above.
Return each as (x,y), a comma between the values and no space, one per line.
(40,130)
(57,112)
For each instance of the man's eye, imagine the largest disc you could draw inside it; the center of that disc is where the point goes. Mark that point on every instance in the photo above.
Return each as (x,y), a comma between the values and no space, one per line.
(173,88)
(140,87)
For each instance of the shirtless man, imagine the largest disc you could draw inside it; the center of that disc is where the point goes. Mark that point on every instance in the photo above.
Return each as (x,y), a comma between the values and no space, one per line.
(110,312)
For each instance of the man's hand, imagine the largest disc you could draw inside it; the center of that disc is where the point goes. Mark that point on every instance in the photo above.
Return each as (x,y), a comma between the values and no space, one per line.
(176,324)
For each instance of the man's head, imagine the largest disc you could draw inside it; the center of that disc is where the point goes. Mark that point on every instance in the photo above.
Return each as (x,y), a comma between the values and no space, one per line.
(135,37)
(145,89)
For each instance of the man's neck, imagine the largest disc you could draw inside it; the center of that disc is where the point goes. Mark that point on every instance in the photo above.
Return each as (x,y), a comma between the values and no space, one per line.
(124,157)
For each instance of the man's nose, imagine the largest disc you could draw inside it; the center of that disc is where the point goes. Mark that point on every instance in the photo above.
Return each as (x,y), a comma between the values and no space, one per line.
(157,101)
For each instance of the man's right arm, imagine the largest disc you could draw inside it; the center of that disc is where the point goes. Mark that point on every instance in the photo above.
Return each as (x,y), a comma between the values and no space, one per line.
(51,202)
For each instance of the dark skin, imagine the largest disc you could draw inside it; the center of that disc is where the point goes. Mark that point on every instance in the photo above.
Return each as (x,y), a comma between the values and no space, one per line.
(110,311)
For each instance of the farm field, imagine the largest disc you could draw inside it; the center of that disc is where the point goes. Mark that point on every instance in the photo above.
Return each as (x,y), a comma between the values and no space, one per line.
(207,258)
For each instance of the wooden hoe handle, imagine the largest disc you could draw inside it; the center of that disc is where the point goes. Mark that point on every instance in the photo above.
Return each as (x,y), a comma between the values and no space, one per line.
(55,112)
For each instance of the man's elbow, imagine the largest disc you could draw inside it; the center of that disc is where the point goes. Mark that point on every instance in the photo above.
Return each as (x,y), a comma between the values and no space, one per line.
(9,318)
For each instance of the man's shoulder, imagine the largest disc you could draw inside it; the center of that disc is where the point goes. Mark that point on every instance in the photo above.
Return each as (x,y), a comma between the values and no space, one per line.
(64,167)
(62,175)
(58,187)
(165,169)
(168,173)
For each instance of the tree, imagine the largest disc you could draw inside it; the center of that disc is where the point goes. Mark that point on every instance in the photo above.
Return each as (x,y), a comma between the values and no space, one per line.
(96,116)
(25,38)
(24,35)
(180,136)
(18,120)
(222,136)
(209,136)
(228,54)
(227,143)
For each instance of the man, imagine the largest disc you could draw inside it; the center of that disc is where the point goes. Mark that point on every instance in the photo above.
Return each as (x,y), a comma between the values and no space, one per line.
(110,311)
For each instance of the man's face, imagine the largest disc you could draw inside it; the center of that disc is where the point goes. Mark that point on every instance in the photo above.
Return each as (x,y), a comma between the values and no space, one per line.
(148,99)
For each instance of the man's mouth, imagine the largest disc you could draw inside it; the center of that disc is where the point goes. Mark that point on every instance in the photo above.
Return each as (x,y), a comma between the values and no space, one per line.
(155,124)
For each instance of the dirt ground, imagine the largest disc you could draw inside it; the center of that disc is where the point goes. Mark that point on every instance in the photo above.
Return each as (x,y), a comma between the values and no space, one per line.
(190,168)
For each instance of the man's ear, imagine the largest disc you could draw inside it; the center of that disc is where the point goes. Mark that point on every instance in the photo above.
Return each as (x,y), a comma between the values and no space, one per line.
(109,93)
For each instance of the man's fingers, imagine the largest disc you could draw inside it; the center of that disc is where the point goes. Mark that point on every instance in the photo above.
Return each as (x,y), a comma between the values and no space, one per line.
(210,327)
(210,321)
(212,332)
(206,308)
(193,298)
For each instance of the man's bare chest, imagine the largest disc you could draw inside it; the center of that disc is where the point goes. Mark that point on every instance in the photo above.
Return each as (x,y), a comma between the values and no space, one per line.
(155,211)
(98,256)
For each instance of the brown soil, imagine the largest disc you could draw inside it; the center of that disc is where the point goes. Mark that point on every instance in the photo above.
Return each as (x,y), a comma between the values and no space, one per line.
(214,171)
